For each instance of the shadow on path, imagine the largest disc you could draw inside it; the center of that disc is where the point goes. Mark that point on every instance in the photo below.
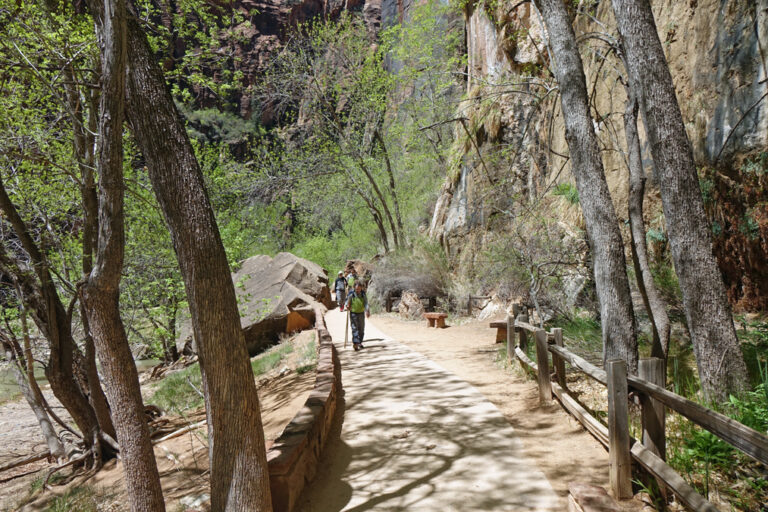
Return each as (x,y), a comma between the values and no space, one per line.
(416,437)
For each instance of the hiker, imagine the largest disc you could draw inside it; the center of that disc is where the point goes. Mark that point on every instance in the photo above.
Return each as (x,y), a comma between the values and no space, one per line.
(357,305)
(340,285)
(351,278)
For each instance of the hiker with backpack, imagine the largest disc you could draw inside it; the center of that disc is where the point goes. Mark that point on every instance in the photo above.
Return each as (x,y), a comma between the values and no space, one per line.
(357,306)
(340,285)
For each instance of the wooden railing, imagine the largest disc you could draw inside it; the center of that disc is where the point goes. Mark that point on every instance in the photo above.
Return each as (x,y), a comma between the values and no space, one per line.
(654,398)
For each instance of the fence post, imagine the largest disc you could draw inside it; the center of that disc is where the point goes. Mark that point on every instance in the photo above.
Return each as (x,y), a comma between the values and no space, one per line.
(469,305)
(557,361)
(523,333)
(511,336)
(388,304)
(542,359)
(653,411)
(618,430)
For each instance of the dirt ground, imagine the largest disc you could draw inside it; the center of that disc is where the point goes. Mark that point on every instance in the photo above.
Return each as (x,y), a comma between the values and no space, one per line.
(182,461)
(552,439)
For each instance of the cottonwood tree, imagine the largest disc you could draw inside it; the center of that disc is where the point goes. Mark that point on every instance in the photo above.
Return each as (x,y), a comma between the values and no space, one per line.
(708,313)
(101,291)
(654,303)
(237,454)
(606,245)
(47,157)
(330,78)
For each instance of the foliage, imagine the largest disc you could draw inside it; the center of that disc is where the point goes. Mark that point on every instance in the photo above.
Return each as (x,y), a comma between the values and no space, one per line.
(175,393)
(568,192)
(534,262)
(584,333)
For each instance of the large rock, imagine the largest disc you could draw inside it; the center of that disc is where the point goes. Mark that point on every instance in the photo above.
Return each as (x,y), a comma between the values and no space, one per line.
(410,306)
(275,296)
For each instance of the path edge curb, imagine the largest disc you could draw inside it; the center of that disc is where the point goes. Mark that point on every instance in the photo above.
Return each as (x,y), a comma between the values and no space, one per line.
(294,457)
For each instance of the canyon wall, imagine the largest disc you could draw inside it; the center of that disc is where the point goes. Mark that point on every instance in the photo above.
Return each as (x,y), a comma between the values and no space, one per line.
(717,52)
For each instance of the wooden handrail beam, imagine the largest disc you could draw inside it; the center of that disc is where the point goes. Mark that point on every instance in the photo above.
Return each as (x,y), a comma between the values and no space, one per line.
(749,441)
(578,362)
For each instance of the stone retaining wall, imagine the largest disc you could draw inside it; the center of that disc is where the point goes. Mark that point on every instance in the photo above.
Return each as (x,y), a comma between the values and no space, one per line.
(294,457)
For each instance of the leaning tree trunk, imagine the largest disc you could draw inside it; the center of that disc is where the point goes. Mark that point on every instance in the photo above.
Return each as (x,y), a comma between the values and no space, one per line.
(718,354)
(51,318)
(652,300)
(612,283)
(20,368)
(239,477)
(101,292)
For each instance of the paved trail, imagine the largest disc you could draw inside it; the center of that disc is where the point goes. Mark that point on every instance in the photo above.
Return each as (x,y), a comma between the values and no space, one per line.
(416,437)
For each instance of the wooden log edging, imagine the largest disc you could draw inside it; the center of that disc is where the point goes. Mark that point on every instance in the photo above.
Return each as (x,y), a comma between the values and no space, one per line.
(294,457)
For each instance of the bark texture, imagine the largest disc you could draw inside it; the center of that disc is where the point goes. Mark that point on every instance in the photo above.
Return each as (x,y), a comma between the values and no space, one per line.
(101,293)
(718,354)
(652,300)
(616,314)
(239,476)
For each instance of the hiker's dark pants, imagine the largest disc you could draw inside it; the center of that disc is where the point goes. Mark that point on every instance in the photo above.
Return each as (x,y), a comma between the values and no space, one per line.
(341,297)
(358,327)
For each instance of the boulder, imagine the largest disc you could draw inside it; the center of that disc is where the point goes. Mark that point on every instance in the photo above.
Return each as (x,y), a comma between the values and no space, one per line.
(492,309)
(410,306)
(275,296)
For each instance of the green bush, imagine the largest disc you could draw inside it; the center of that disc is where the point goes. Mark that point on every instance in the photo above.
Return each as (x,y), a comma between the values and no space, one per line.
(568,192)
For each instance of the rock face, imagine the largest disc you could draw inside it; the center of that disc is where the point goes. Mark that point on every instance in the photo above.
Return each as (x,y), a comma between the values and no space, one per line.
(716,52)
(275,296)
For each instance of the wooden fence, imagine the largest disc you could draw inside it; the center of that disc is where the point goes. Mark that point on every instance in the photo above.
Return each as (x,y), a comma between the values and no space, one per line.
(654,398)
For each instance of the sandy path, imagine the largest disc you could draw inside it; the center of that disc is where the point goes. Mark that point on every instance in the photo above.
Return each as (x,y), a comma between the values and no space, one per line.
(417,437)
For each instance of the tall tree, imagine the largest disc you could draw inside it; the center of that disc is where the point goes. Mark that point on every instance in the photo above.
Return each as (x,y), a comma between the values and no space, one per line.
(616,314)
(708,313)
(101,292)
(652,300)
(38,290)
(239,477)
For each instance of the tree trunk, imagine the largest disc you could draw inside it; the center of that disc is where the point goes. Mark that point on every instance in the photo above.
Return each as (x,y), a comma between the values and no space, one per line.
(101,293)
(52,320)
(170,352)
(392,188)
(718,354)
(21,366)
(652,299)
(382,200)
(612,283)
(239,477)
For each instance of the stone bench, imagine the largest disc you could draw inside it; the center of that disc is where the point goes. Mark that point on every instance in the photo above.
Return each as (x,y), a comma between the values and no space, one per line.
(501,331)
(435,319)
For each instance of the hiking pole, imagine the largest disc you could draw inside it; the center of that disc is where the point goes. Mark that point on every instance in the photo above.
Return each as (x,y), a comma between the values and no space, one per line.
(346,330)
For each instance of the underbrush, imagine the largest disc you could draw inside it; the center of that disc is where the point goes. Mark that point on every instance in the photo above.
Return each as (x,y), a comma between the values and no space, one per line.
(179,392)
(718,471)
(79,499)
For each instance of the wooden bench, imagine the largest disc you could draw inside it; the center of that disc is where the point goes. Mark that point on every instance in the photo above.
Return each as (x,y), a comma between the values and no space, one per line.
(501,331)
(435,319)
